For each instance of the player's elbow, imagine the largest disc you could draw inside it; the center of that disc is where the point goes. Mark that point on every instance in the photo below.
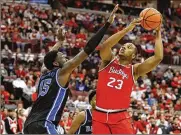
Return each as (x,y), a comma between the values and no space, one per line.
(159,58)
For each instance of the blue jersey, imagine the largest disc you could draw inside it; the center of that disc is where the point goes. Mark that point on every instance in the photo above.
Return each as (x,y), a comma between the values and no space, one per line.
(51,100)
(86,126)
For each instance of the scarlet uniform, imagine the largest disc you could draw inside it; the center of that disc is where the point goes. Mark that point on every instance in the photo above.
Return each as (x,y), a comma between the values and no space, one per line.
(113,95)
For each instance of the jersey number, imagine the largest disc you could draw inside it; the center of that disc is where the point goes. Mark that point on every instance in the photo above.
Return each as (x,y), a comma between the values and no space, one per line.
(112,81)
(44,86)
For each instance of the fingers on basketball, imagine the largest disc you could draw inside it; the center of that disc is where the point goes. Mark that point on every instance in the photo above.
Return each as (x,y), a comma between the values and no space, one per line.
(137,21)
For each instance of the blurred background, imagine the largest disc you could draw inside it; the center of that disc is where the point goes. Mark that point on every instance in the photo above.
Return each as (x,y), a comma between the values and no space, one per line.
(28,30)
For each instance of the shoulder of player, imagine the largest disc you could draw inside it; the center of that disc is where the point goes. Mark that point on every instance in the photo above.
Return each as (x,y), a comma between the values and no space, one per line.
(135,66)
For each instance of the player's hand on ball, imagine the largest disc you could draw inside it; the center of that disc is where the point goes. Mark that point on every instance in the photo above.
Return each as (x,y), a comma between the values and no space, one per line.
(158,28)
(112,15)
(135,22)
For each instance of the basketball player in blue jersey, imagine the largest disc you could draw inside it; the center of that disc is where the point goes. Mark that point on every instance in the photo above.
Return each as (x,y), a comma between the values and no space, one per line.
(82,124)
(52,89)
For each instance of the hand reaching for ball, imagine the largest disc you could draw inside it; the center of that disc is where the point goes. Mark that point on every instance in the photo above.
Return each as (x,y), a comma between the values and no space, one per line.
(134,23)
(112,15)
(158,28)
(61,33)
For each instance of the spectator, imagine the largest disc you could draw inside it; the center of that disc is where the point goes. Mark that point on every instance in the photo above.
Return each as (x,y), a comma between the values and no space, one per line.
(11,123)
(5,94)
(29,57)
(5,52)
(66,122)
(78,101)
(2,126)
(151,100)
(163,125)
(141,125)
(3,71)
(21,120)
(41,55)
(177,106)
(154,129)
(29,89)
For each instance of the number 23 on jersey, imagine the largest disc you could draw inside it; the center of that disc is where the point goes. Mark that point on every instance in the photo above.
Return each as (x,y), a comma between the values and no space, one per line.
(113,83)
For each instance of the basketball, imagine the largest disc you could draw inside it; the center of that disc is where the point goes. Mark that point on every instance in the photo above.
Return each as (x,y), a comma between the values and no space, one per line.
(151,18)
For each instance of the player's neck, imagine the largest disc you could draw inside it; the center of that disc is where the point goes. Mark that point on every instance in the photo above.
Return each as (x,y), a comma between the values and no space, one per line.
(124,62)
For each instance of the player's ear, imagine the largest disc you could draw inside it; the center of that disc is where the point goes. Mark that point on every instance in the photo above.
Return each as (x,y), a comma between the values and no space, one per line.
(133,56)
(55,63)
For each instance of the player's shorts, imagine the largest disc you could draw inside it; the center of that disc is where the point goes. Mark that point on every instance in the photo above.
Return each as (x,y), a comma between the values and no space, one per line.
(112,123)
(40,127)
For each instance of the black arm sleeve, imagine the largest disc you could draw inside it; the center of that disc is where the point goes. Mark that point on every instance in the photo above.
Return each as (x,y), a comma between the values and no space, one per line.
(96,39)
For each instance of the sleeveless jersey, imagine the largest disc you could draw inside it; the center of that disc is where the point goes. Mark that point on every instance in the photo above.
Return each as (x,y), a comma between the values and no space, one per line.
(86,127)
(114,86)
(51,100)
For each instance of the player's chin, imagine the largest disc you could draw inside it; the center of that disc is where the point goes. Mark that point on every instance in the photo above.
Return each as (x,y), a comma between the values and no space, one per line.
(121,55)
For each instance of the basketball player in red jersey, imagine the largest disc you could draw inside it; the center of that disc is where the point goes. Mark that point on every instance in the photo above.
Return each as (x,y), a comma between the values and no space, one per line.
(116,79)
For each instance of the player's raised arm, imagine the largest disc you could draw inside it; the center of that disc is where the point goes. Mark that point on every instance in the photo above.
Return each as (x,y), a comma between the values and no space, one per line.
(79,119)
(61,37)
(152,62)
(90,47)
(105,48)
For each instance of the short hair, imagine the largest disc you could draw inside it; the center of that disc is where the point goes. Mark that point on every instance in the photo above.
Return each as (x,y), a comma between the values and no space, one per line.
(92,93)
(49,59)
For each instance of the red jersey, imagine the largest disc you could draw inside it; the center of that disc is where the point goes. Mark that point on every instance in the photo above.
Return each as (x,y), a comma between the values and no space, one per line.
(114,86)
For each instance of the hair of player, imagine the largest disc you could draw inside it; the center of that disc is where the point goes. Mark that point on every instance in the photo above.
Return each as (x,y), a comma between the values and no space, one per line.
(49,59)
(136,51)
(91,95)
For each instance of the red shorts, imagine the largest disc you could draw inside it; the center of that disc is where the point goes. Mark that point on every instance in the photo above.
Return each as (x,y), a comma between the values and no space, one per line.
(112,123)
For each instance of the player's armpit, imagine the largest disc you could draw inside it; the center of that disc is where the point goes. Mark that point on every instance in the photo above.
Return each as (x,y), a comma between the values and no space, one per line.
(104,63)
(79,119)
(106,54)
(148,65)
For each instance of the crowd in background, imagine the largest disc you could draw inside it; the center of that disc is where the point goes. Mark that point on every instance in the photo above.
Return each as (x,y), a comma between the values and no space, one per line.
(28,32)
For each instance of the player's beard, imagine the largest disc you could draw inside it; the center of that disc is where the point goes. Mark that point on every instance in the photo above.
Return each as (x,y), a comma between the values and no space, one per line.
(124,57)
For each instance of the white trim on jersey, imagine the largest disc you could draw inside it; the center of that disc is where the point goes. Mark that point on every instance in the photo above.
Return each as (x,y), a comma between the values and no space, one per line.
(90,112)
(57,79)
(133,74)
